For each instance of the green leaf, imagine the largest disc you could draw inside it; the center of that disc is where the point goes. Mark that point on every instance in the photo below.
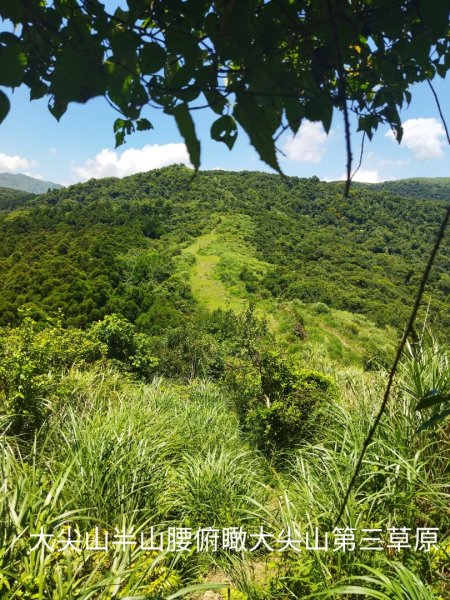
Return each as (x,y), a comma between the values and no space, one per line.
(143,125)
(38,91)
(441,70)
(6,37)
(122,127)
(295,111)
(320,109)
(119,124)
(216,101)
(12,65)
(187,129)
(258,124)
(120,138)
(432,398)
(225,130)
(78,75)
(327,116)
(12,10)
(57,107)
(152,58)
(4,106)
(368,124)
(357,590)
(435,14)
(434,420)
(181,42)
(197,588)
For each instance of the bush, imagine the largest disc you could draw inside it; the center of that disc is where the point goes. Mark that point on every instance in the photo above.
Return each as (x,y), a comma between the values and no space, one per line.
(320,308)
(33,359)
(279,404)
(128,349)
(295,415)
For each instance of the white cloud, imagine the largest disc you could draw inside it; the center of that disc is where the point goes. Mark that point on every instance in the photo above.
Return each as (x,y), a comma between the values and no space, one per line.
(308,145)
(393,163)
(108,163)
(15,164)
(365,176)
(424,137)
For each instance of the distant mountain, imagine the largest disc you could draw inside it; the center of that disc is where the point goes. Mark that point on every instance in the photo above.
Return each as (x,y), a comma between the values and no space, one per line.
(16,181)
(425,188)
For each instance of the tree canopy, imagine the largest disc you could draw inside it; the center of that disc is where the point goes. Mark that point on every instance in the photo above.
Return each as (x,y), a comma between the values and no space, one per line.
(263,64)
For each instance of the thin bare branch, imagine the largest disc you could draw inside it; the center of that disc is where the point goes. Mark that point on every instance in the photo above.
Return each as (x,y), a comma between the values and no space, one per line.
(440,110)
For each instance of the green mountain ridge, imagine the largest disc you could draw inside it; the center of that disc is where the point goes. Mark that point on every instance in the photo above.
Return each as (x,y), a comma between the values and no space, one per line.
(11,199)
(25,183)
(427,188)
(161,248)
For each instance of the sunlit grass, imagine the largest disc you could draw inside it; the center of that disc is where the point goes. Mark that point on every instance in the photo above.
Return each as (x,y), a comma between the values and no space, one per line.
(119,453)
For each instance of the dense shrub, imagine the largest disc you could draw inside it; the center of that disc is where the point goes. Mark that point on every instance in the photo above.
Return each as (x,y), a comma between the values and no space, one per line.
(291,408)
(124,346)
(33,359)
(279,403)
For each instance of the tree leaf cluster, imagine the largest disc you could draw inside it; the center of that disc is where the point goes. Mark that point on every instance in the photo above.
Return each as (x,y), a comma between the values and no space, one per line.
(262,65)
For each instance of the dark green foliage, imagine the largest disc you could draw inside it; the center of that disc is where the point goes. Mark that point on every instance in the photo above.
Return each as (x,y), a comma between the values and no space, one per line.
(279,403)
(289,407)
(124,345)
(11,199)
(117,334)
(423,188)
(35,356)
(113,246)
(266,65)
(210,345)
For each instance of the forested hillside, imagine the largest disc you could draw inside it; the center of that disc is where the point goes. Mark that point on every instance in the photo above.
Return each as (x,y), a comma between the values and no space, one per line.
(436,188)
(11,199)
(114,246)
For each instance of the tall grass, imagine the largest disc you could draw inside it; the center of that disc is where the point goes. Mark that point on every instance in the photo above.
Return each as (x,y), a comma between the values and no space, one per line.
(120,454)
(404,482)
(117,453)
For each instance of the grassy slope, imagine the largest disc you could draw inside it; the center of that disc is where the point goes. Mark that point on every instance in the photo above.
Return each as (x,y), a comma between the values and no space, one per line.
(216,261)
(179,459)
(207,288)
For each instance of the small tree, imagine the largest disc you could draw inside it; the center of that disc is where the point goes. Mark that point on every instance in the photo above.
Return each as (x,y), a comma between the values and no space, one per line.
(290,407)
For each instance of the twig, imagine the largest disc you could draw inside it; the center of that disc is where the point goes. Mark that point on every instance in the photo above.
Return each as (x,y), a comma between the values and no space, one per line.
(343,98)
(360,156)
(439,109)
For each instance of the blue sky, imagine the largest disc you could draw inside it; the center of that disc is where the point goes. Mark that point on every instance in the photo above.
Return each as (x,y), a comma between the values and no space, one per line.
(81,145)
